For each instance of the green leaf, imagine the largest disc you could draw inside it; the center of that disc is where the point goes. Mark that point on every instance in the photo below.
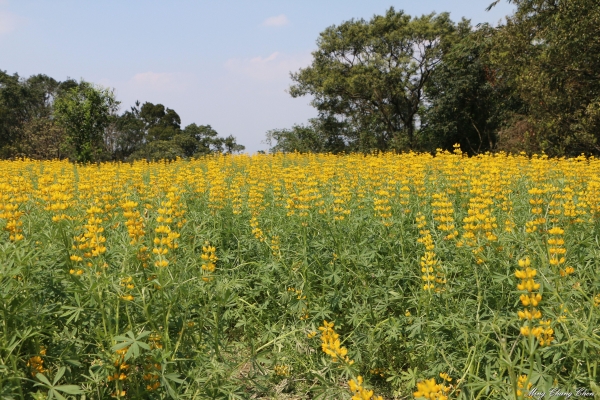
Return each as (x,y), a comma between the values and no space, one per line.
(55,393)
(42,378)
(174,377)
(59,374)
(69,389)
(132,343)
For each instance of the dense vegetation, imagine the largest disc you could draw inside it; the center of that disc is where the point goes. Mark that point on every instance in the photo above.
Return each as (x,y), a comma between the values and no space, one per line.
(42,118)
(394,272)
(399,83)
(210,278)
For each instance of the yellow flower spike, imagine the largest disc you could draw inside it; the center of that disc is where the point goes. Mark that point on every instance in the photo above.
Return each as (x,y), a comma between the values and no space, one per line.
(445,376)
(530,301)
(524,262)
(429,389)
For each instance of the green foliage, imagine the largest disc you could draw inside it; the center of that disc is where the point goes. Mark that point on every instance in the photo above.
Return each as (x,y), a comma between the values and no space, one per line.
(153,132)
(371,75)
(55,390)
(202,140)
(467,102)
(193,141)
(318,137)
(223,337)
(131,133)
(11,106)
(157,150)
(84,113)
(302,139)
(398,82)
(549,52)
(231,146)
(25,106)
(43,139)
(42,118)
(160,123)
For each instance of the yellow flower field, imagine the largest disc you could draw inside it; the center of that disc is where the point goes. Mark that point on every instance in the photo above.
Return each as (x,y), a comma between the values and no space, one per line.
(295,276)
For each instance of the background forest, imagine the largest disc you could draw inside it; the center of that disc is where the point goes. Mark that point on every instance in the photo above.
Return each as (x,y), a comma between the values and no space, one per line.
(42,118)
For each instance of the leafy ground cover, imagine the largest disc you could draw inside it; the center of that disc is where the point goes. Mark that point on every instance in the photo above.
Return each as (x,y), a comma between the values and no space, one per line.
(300,276)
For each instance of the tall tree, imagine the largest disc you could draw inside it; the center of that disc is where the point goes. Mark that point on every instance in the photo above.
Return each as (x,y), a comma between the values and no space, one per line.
(43,139)
(161,123)
(318,136)
(231,146)
(549,51)
(26,114)
(371,75)
(84,112)
(466,102)
(12,115)
(206,140)
(131,132)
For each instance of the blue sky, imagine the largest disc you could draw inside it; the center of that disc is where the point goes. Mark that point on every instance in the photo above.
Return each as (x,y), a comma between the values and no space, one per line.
(223,63)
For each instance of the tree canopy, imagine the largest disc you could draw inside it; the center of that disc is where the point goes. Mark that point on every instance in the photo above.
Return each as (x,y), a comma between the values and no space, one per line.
(84,113)
(466,104)
(371,76)
(398,82)
(43,118)
(549,52)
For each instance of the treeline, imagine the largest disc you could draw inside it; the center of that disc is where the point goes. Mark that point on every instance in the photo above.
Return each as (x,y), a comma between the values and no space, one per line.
(42,118)
(398,83)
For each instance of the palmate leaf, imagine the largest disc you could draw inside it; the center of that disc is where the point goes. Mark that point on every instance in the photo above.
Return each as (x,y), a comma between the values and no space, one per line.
(59,374)
(132,343)
(68,389)
(173,377)
(43,379)
(53,389)
(73,312)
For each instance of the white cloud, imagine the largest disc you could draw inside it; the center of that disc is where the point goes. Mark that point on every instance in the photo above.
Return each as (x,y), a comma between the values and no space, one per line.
(279,20)
(8,21)
(275,67)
